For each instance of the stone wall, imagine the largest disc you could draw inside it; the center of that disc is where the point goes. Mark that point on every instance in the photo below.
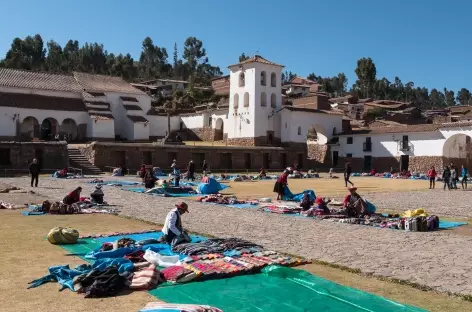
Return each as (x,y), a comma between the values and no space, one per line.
(203,134)
(103,154)
(256,141)
(424,163)
(51,155)
(416,163)
(318,152)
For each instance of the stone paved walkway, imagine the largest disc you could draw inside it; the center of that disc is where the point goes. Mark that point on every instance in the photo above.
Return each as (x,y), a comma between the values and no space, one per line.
(439,259)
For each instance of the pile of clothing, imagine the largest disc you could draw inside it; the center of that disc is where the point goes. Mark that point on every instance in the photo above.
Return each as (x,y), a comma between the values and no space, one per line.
(220,199)
(280,209)
(217,246)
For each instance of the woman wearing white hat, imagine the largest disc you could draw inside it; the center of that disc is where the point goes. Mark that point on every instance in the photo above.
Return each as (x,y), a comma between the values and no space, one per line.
(97,195)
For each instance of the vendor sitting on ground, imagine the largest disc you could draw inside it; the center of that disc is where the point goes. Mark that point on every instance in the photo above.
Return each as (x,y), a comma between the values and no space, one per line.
(173,231)
(262,174)
(321,205)
(149,179)
(164,184)
(306,202)
(118,172)
(63,173)
(142,171)
(353,203)
(73,197)
(97,195)
(373,172)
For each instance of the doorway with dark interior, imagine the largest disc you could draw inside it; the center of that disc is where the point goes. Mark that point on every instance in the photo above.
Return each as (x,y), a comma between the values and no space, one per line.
(147,157)
(38,154)
(265,161)
(120,158)
(404,162)
(335,159)
(270,138)
(283,160)
(300,161)
(367,163)
(247,161)
(226,161)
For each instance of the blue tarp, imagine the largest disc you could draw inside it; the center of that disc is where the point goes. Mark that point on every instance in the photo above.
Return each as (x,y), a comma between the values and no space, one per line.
(125,183)
(212,187)
(297,197)
(159,193)
(450,224)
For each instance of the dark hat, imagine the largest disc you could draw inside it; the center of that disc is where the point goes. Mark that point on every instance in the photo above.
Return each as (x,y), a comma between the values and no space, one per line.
(183,206)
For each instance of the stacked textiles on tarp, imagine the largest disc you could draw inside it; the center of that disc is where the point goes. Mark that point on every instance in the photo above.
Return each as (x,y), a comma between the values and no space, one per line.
(57,175)
(225,200)
(170,307)
(164,192)
(84,207)
(114,183)
(280,209)
(124,263)
(5,205)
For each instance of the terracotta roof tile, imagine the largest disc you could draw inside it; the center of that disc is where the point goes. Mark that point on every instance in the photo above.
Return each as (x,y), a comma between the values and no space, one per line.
(34,101)
(101,116)
(137,119)
(38,80)
(257,59)
(313,110)
(101,83)
(131,107)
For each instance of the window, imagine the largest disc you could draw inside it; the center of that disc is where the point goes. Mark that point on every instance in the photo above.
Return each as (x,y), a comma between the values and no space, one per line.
(210,121)
(263,99)
(242,79)
(236,101)
(348,155)
(299,130)
(246,99)
(273,80)
(367,145)
(273,100)
(349,140)
(263,78)
(5,157)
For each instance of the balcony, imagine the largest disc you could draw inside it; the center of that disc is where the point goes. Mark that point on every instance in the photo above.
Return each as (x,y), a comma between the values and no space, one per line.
(367,147)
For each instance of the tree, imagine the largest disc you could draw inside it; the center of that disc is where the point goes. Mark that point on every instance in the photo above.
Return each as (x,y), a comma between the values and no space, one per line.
(243,57)
(449,96)
(366,76)
(26,54)
(55,59)
(288,76)
(153,61)
(194,53)
(463,96)
(437,99)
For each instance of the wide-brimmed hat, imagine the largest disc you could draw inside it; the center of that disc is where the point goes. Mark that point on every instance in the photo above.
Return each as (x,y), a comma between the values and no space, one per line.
(352,188)
(183,206)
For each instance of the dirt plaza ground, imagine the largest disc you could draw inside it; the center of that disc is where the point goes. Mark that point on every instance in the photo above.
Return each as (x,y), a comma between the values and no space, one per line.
(440,260)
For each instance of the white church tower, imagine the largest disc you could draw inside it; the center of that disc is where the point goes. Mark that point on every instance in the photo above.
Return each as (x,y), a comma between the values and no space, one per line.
(255,97)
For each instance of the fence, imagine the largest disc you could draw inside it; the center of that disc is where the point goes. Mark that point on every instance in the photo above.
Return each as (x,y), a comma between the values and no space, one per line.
(20,172)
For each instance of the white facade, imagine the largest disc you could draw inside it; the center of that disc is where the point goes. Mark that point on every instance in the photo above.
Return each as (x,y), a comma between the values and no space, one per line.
(447,142)
(255,95)
(296,124)
(101,128)
(158,125)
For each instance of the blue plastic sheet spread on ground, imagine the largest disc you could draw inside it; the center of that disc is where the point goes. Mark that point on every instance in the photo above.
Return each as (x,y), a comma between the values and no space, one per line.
(120,182)
(450,224)
(212,187)
(297,197)
(143,190)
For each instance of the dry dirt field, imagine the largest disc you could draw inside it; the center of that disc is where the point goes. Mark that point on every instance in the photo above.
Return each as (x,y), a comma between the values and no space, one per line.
(449,251)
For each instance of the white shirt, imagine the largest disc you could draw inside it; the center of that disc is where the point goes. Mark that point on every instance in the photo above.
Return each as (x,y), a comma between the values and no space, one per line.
(171,219)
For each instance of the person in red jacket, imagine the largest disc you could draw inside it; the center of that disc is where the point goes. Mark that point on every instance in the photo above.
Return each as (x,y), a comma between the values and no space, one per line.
(281,184)
(432,177)
(73,197)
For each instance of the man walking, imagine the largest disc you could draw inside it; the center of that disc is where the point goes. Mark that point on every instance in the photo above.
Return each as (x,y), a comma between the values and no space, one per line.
(191,171)
(34,172)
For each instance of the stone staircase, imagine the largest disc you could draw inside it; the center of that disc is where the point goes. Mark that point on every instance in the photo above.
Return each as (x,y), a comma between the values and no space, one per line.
(77,160)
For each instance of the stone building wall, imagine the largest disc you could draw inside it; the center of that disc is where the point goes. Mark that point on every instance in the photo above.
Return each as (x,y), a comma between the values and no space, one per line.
(103,154)
(18,155)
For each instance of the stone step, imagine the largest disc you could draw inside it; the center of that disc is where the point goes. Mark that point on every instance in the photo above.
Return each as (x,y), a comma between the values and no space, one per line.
(78,160)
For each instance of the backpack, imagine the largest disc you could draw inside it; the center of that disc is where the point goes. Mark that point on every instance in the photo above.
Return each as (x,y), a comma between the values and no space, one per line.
(54,209)
(46,206)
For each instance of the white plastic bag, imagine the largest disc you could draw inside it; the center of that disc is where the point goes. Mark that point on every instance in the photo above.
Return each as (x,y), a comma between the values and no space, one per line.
(159,260)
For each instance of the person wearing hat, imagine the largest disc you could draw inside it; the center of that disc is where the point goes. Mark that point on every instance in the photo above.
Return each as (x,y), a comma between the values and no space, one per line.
(173,231)
(97,195)
(353,203)
(149,179)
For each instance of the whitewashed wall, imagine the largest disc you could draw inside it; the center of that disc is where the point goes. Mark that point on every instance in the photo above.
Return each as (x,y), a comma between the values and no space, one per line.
(141,131)
(194,121)
(323,123)
(101,128)
(158,125)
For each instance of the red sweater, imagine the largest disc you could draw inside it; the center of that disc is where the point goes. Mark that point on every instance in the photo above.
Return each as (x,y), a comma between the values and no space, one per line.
(432,173)
(283,179)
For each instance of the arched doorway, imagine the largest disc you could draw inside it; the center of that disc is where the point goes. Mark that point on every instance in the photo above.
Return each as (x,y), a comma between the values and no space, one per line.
(219,129)
(49,129)
(68,129)
(458,149)
(29,128)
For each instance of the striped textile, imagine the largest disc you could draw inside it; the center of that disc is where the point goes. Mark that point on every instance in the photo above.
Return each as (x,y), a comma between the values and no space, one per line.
(146,278)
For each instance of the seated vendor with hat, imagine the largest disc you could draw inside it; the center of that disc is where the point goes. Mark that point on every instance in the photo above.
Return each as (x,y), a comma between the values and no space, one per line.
(354,203)
(97,195)
(173,231)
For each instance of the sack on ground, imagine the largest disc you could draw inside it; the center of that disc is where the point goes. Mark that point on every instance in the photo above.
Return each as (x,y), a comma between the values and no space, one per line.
(60,235)
(46,206)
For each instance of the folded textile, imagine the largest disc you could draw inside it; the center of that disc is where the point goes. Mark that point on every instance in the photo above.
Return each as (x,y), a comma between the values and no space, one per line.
(174,273)
(62,274)
(100,283)
(136,256)
(214,246)
(146,278)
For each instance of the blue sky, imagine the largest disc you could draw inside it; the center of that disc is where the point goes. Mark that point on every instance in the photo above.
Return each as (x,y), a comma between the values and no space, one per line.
(424,41)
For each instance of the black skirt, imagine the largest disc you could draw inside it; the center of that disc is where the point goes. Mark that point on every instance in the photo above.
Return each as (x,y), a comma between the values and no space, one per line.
(278,188)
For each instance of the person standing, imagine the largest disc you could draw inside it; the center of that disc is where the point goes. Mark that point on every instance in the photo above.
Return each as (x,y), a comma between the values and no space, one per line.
(447,178)
(191,170)
(34,172)
(347,174)
(454,177)
(204,167)
(464,174)
(432,177)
